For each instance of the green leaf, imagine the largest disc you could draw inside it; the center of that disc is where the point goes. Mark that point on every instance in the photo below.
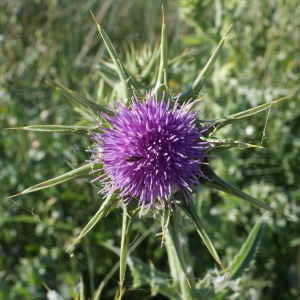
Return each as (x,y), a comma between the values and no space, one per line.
(192,214)
(108,73)
(124,248)
(224,144)
(82,172)
(217,183)
(161,83)
(174,234)
(220,123)
(109,204)
(247,253)
(127,82)
(88,105)
(126,232)
(179,265)
(194,90)
(165,221)
(178,255)
(82,130)
(151,64)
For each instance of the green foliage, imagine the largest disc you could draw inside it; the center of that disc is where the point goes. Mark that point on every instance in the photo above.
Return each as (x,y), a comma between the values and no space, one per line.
(257,64)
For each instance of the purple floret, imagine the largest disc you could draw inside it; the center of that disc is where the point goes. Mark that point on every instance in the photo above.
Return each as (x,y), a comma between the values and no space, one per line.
(150,152)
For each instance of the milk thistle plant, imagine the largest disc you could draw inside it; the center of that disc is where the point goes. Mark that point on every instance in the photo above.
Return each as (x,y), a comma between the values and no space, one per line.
(151,152)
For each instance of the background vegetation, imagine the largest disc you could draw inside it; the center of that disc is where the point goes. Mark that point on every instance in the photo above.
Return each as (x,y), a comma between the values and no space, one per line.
(58,40)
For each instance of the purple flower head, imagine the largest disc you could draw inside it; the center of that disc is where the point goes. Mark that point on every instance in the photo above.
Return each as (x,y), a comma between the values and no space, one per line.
(150,152)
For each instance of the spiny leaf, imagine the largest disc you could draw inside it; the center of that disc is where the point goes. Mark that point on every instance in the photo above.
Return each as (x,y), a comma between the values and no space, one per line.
(82,172)
(109,203)
(194,90)
(165,222)
(151,64)
(124,248)
(224,144)
(127,82)
(192,214)
(220,123)
(217,183)
(108,74)
(82,130)
(248,250)
(161,83)
(126,232)
(173,231)
(89,105)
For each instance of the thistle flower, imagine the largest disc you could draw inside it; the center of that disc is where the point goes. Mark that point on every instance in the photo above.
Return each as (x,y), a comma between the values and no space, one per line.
(151,151)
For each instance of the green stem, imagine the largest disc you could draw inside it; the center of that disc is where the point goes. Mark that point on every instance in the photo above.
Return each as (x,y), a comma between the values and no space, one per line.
(126,231)
(176,258)
(124,248)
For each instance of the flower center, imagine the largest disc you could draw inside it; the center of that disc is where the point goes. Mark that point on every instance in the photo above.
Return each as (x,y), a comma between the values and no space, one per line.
(156,149)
